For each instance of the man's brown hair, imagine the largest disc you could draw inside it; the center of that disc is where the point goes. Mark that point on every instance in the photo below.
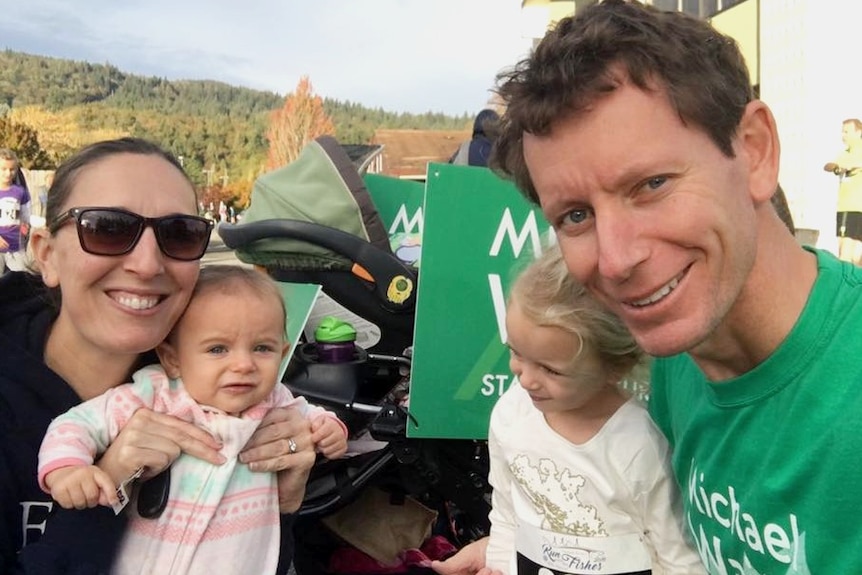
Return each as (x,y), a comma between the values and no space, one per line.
(591,54)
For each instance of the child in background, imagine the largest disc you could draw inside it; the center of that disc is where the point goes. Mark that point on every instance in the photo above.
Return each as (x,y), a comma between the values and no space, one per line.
(219,369)
(14,214)
(581,476)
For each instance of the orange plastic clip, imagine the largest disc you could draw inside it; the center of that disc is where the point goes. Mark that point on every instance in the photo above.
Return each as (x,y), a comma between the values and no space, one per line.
(361,272)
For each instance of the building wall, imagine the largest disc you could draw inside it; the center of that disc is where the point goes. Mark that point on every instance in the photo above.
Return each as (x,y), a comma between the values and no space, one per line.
(796,51)
(742,22)
(807,51)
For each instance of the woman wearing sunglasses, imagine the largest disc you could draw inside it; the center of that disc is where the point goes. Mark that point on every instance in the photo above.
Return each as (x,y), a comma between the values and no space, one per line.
(117,263)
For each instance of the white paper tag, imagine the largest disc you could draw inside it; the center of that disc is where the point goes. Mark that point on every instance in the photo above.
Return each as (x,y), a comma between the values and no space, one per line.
(122,495)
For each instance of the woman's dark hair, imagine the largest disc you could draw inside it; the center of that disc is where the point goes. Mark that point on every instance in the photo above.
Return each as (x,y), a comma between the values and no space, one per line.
(589,55)
(779,202)
(67,173)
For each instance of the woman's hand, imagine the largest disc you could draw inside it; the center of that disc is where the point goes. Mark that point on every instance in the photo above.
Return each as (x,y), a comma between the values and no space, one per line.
(283,443)
(153,441)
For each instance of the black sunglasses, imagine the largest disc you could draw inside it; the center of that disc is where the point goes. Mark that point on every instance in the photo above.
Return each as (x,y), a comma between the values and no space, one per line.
(115,232)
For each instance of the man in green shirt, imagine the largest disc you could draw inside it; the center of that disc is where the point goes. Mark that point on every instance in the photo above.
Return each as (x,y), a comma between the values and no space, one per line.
(638,134)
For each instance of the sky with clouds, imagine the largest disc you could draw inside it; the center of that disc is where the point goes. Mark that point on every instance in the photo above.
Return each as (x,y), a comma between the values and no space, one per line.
(399,55)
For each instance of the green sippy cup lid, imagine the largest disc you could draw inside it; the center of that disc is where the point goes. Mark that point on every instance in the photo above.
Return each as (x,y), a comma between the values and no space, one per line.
(334,330)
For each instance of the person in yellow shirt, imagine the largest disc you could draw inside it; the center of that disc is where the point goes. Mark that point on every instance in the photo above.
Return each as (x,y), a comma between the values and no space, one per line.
(848,167)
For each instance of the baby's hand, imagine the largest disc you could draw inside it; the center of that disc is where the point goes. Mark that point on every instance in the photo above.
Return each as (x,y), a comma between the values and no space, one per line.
(81,487)
(328,437)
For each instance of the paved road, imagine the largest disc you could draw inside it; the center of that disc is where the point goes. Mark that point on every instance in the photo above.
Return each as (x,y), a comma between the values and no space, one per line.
(218,253)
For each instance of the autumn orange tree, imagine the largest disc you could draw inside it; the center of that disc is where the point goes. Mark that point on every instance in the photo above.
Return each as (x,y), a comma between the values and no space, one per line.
(236,194)
(295,124)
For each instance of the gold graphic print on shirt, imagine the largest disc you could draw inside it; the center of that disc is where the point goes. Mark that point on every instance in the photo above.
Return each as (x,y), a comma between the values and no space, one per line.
(555,494)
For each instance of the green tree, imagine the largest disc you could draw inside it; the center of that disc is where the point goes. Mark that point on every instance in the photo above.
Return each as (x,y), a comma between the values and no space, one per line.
(24,141)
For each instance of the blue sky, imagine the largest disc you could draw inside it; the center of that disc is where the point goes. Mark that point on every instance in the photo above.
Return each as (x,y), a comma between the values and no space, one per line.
(400,55)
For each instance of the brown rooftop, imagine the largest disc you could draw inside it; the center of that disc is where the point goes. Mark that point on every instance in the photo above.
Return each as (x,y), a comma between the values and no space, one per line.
(406,153)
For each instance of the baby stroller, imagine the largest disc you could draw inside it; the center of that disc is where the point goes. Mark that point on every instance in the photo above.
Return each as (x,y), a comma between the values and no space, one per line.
(313,221)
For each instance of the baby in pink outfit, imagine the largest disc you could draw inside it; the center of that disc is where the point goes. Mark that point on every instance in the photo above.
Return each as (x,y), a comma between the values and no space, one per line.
(219,370)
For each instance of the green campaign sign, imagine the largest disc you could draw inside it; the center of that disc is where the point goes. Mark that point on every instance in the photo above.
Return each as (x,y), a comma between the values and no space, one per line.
(299,300)
(479,232)
(399,203)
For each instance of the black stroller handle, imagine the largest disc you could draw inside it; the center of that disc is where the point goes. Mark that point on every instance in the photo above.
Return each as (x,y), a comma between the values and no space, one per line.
(393,280)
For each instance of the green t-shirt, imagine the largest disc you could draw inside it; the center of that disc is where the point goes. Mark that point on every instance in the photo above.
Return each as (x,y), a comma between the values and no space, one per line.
(768,462)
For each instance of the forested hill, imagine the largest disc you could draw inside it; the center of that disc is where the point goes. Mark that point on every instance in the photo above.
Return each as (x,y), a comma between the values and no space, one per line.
(210,123)
(57,84)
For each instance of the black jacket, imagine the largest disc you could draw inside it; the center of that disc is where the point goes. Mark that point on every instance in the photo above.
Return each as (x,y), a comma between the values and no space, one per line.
(477,151)
(58,541)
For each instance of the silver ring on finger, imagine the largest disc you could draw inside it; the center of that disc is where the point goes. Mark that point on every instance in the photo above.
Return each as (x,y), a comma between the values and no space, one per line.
(291,445)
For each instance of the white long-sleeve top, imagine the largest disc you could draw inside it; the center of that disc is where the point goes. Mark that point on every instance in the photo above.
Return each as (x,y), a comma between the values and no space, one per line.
(609,505)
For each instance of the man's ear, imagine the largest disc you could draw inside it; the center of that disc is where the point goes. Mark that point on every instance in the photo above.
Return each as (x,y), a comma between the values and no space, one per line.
(169,359)
(42,248)
(758,138)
